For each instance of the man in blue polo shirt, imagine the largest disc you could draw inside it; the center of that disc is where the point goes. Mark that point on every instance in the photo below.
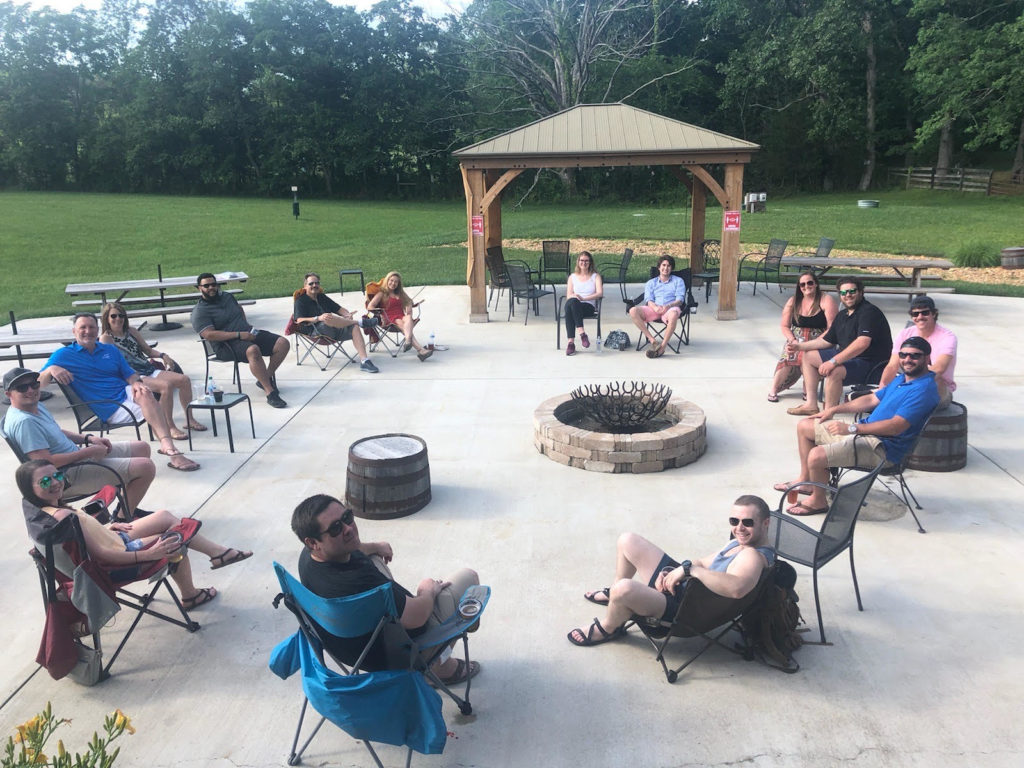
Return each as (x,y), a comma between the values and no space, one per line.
(98,371)
(664,300)
(898,414)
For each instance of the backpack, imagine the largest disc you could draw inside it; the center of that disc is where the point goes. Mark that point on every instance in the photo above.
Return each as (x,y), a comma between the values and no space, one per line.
(771,626)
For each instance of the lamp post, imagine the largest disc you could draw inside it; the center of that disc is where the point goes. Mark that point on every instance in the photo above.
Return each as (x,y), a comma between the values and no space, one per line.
(295,202)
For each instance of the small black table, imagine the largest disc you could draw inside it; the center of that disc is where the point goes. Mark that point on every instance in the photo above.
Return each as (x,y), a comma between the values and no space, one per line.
(229,400)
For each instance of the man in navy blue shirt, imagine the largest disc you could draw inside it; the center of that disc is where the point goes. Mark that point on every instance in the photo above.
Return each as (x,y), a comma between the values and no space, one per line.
(97,371)
(899,412)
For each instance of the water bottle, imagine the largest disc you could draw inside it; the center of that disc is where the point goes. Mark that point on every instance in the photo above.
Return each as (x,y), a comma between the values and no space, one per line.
(598,345)
(431,344)
(210,387)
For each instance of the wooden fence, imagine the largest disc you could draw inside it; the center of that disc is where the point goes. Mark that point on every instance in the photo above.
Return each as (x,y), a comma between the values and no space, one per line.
(961,180)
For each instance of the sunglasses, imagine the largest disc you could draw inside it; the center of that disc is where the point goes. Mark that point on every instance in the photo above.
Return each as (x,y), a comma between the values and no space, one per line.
(23,388)
(746,522)
(334,529)
(920,312)
(46,480)
(850,292)
(911,355)
(117,315)
(807,285)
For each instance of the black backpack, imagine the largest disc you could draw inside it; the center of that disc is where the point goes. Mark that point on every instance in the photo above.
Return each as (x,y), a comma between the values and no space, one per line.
(771,625)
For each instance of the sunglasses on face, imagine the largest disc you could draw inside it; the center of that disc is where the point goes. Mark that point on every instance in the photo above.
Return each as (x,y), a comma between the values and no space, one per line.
(849,292)
(46,480)
(807,285)
(117,316)
(746,522)
(911,355)
(23,388)
(334,529)
(920,312)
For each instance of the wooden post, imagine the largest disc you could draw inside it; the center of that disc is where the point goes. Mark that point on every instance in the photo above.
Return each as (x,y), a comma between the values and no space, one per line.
(476,268)
(492,216)
(727,280)
(698,210)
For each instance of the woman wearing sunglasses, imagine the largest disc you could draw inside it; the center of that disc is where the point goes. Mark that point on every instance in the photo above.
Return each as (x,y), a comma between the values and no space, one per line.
(806,315)
(121,548)
(114,329)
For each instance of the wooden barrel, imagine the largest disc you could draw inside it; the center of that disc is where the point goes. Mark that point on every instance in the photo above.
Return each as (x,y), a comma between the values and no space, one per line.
(943,443)
(388,476)
(1012,258)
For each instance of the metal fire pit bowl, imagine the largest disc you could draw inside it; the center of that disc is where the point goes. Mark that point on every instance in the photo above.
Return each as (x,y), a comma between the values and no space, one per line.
(624,406)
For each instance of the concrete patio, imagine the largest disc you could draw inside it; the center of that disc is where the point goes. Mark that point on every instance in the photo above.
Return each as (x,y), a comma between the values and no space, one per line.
(927,675)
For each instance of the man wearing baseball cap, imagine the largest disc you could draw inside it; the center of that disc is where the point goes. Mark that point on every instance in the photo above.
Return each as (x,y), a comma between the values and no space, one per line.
(37,434)
(924,317)
(899,412)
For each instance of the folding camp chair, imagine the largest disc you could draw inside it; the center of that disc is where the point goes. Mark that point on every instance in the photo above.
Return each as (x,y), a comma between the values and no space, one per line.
(87,419)
(387,335)
(372,614)
(681,333)
(114,478)
(702,613)
(88,595)
(310,344)
(800,543)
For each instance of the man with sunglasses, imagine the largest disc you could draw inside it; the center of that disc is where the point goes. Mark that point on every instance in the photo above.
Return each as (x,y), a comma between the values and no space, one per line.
(924,317)
(857,341)
(218,318)
(335,563)
(649,583)
(898,412)
(38,435)
(318,313)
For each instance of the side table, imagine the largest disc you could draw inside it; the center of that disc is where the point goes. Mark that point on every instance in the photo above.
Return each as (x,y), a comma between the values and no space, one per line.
(230,400)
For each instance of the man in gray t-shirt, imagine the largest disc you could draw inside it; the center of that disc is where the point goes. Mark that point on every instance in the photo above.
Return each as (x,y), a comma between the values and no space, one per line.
(219,319)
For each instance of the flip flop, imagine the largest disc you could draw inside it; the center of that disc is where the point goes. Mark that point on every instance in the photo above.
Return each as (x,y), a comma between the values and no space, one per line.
(201,597)
(462,673)
(197,427)
(589,639)
(783,487)
(177,434)
(222,560)
(592,596)
(773,398)
(189,466)
(799,510)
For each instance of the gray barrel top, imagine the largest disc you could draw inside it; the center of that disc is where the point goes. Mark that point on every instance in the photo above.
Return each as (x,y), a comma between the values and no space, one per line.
(384,447)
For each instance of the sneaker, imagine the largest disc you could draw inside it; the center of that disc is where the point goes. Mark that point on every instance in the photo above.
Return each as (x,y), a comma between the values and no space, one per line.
(570,348)
(273,382)
(274,400)
(584,340)
(367,366)
(368,321)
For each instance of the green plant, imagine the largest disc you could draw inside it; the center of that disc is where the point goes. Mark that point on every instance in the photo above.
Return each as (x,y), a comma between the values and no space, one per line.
(976,253)
(25,748)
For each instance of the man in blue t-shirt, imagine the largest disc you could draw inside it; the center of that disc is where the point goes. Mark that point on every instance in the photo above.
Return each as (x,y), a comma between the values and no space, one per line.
(665,301)
(97,371)
(899,412)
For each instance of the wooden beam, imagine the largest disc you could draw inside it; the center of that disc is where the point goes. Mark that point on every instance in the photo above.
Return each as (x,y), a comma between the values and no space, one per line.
(499,185)
(476,268)
(698,209)
(709,181)
(714,157)
(728,276)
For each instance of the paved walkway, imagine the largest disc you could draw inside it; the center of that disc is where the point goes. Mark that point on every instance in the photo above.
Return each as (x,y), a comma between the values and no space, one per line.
(928,675)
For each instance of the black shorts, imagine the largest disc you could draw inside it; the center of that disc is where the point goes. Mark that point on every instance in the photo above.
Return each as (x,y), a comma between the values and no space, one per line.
(235,349)
(672,601)
(338,334)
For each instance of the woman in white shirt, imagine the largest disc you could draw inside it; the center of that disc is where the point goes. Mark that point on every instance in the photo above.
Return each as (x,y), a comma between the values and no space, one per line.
(583,288)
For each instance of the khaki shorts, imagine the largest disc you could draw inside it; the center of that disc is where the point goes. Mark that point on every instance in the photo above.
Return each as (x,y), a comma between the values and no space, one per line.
(89,477)
(846,450)
(447,600)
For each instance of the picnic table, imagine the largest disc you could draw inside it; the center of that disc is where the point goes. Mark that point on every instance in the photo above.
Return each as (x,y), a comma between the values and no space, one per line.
(164,304)
(909,272)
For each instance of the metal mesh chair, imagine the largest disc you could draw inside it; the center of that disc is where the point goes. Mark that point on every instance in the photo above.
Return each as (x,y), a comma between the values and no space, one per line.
(524,288)
(89,421)
(554,261)
(711,255)
(614,272)
(770,262)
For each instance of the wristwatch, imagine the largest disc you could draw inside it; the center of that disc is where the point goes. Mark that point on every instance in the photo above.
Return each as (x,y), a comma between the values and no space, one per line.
(852,429)
(86,441)
(686,568)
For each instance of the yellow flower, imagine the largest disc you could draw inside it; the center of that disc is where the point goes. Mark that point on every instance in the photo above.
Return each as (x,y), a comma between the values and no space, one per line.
(27,728)
(61,751)
(35,757)
(121,721)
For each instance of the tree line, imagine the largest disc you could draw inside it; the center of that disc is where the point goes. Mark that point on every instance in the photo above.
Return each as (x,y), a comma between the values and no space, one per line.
(220,97)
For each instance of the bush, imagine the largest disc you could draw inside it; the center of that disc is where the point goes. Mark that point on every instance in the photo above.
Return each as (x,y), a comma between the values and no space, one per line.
(977,254)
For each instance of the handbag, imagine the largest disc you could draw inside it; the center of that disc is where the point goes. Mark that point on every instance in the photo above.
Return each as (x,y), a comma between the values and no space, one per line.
(88,669)
(57,651)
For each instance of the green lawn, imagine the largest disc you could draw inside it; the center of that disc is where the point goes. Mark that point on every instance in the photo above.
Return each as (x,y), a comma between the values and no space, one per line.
(51,239)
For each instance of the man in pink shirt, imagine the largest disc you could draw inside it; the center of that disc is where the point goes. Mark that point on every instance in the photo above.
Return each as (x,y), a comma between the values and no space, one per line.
(924,315)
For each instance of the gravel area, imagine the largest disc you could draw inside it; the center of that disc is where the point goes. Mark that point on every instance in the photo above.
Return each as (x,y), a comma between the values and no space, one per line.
(650,249)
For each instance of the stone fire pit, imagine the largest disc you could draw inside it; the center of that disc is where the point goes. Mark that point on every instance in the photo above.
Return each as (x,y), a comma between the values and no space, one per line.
(563,433)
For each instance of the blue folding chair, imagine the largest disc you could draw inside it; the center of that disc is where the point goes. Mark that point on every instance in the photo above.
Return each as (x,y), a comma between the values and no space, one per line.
(394,706)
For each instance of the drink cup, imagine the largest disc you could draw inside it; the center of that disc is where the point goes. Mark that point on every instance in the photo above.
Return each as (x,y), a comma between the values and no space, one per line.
(179,554)
(218,395)
(469,608)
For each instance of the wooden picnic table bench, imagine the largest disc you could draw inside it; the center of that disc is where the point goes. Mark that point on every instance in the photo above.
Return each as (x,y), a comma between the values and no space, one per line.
(129,301)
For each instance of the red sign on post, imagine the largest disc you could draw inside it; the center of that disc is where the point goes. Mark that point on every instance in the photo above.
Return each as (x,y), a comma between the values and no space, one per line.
(478,225)
(731,222)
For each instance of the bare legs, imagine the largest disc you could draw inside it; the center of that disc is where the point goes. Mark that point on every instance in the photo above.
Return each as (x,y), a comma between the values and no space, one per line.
(165,384)
(264,372)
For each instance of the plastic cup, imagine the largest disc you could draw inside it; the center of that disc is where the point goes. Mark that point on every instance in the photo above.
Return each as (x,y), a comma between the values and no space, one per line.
(179,555)
(469,608)
(218,395)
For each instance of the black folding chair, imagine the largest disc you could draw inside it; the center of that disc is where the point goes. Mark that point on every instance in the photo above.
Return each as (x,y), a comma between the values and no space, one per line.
(681,333)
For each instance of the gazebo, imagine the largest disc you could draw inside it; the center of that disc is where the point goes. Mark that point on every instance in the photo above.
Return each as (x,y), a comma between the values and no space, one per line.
(605,135)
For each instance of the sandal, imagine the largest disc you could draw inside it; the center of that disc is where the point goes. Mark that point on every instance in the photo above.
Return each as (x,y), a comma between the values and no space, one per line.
(177,434)
(462,673)
(783,487)
(197,427)
(799,510)
(201,597)
(592,596)
(184,463)
(773,398)
(222,560)
(589,639)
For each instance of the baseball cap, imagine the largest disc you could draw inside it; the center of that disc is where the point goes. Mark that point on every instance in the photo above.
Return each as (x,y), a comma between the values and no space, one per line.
(14,374)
